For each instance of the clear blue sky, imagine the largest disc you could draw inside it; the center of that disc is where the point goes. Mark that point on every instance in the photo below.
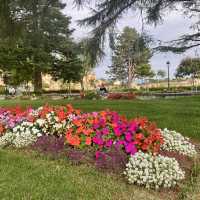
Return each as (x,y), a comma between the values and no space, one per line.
(173,26)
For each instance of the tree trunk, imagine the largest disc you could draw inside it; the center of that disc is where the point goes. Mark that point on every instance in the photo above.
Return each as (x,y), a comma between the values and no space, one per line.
(82,85)
(70,91)
(129,75)
(193,84)
(37,81)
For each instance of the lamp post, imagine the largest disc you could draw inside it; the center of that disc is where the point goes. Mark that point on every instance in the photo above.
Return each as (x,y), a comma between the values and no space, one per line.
(168,80)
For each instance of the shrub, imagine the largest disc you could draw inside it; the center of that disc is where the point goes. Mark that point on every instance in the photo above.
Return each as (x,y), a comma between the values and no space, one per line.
(91,96)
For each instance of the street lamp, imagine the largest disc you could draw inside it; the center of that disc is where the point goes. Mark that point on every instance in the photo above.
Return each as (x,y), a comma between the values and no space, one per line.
(168,80)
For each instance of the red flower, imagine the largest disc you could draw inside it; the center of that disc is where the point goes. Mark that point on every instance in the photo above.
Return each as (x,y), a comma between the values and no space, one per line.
(139,136)
(73,140)
(61,115)
(88,141)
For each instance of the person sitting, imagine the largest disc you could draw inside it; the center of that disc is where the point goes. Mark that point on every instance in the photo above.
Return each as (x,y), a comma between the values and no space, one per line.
(103,90)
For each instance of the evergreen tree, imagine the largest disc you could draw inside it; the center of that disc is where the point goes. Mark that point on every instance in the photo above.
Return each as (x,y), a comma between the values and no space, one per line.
(45,34)
(107,13)
(130,57)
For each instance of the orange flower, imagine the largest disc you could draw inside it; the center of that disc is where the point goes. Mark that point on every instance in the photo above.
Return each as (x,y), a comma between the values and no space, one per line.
(70,109)
(88,141)
(90,121)
(139,136)
(103,113)
(1,129)
(87,131)
(80,130)
(77,122)
(73,140)
(78,112)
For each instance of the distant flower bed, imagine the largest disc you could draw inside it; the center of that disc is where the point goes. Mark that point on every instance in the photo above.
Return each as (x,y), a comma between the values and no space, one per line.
(109,136)
(127,96)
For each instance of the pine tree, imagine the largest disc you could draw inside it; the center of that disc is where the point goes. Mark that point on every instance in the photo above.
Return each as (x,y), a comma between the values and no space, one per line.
(45,33)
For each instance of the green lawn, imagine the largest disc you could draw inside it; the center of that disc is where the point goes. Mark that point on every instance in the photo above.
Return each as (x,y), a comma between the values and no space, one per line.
(29,177)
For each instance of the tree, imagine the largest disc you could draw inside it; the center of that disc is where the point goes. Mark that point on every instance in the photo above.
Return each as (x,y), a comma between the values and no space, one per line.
(189,67)
(45,33)
(86,59)
(130,57)
(161,74)
(15,62)
(108,12)
(67,67)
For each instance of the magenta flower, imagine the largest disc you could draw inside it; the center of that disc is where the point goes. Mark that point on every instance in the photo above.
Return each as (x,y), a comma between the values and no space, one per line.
(117,131)
(97,140)
(105,131)
(128,137)
(130,148)
(133,127)
(119,143)
(109,143)
(96,126)
(97,154)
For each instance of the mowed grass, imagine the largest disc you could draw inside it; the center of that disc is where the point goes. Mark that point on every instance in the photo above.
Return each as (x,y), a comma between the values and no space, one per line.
(23,177)
(28,177)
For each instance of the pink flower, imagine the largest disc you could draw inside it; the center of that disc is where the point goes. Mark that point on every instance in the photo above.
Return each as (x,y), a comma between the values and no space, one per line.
(130,148)
(109,143)
(117,132)
(98,141)
(97,154)
(105,131)
(119,143)
(133,127)
(128,137)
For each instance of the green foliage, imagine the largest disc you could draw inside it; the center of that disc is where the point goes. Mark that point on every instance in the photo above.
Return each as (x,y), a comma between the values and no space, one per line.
(87,61)
(107,13)
(91,95)
(45,34)
(189,67)
(161,74)
(144,71)
(131,57)
(67,68)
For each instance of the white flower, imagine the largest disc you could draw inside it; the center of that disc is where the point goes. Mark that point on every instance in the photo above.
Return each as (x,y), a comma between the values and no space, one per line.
(174,141)
(158,171)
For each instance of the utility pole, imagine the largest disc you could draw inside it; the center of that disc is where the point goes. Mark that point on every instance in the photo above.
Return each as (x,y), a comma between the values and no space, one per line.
(168,79)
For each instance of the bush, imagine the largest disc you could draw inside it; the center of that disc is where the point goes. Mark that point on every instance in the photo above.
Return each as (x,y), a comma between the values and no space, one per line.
(91,96)
(60,91)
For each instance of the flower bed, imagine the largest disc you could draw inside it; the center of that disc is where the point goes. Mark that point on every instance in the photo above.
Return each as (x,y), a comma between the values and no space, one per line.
(110,137)
(116,96)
